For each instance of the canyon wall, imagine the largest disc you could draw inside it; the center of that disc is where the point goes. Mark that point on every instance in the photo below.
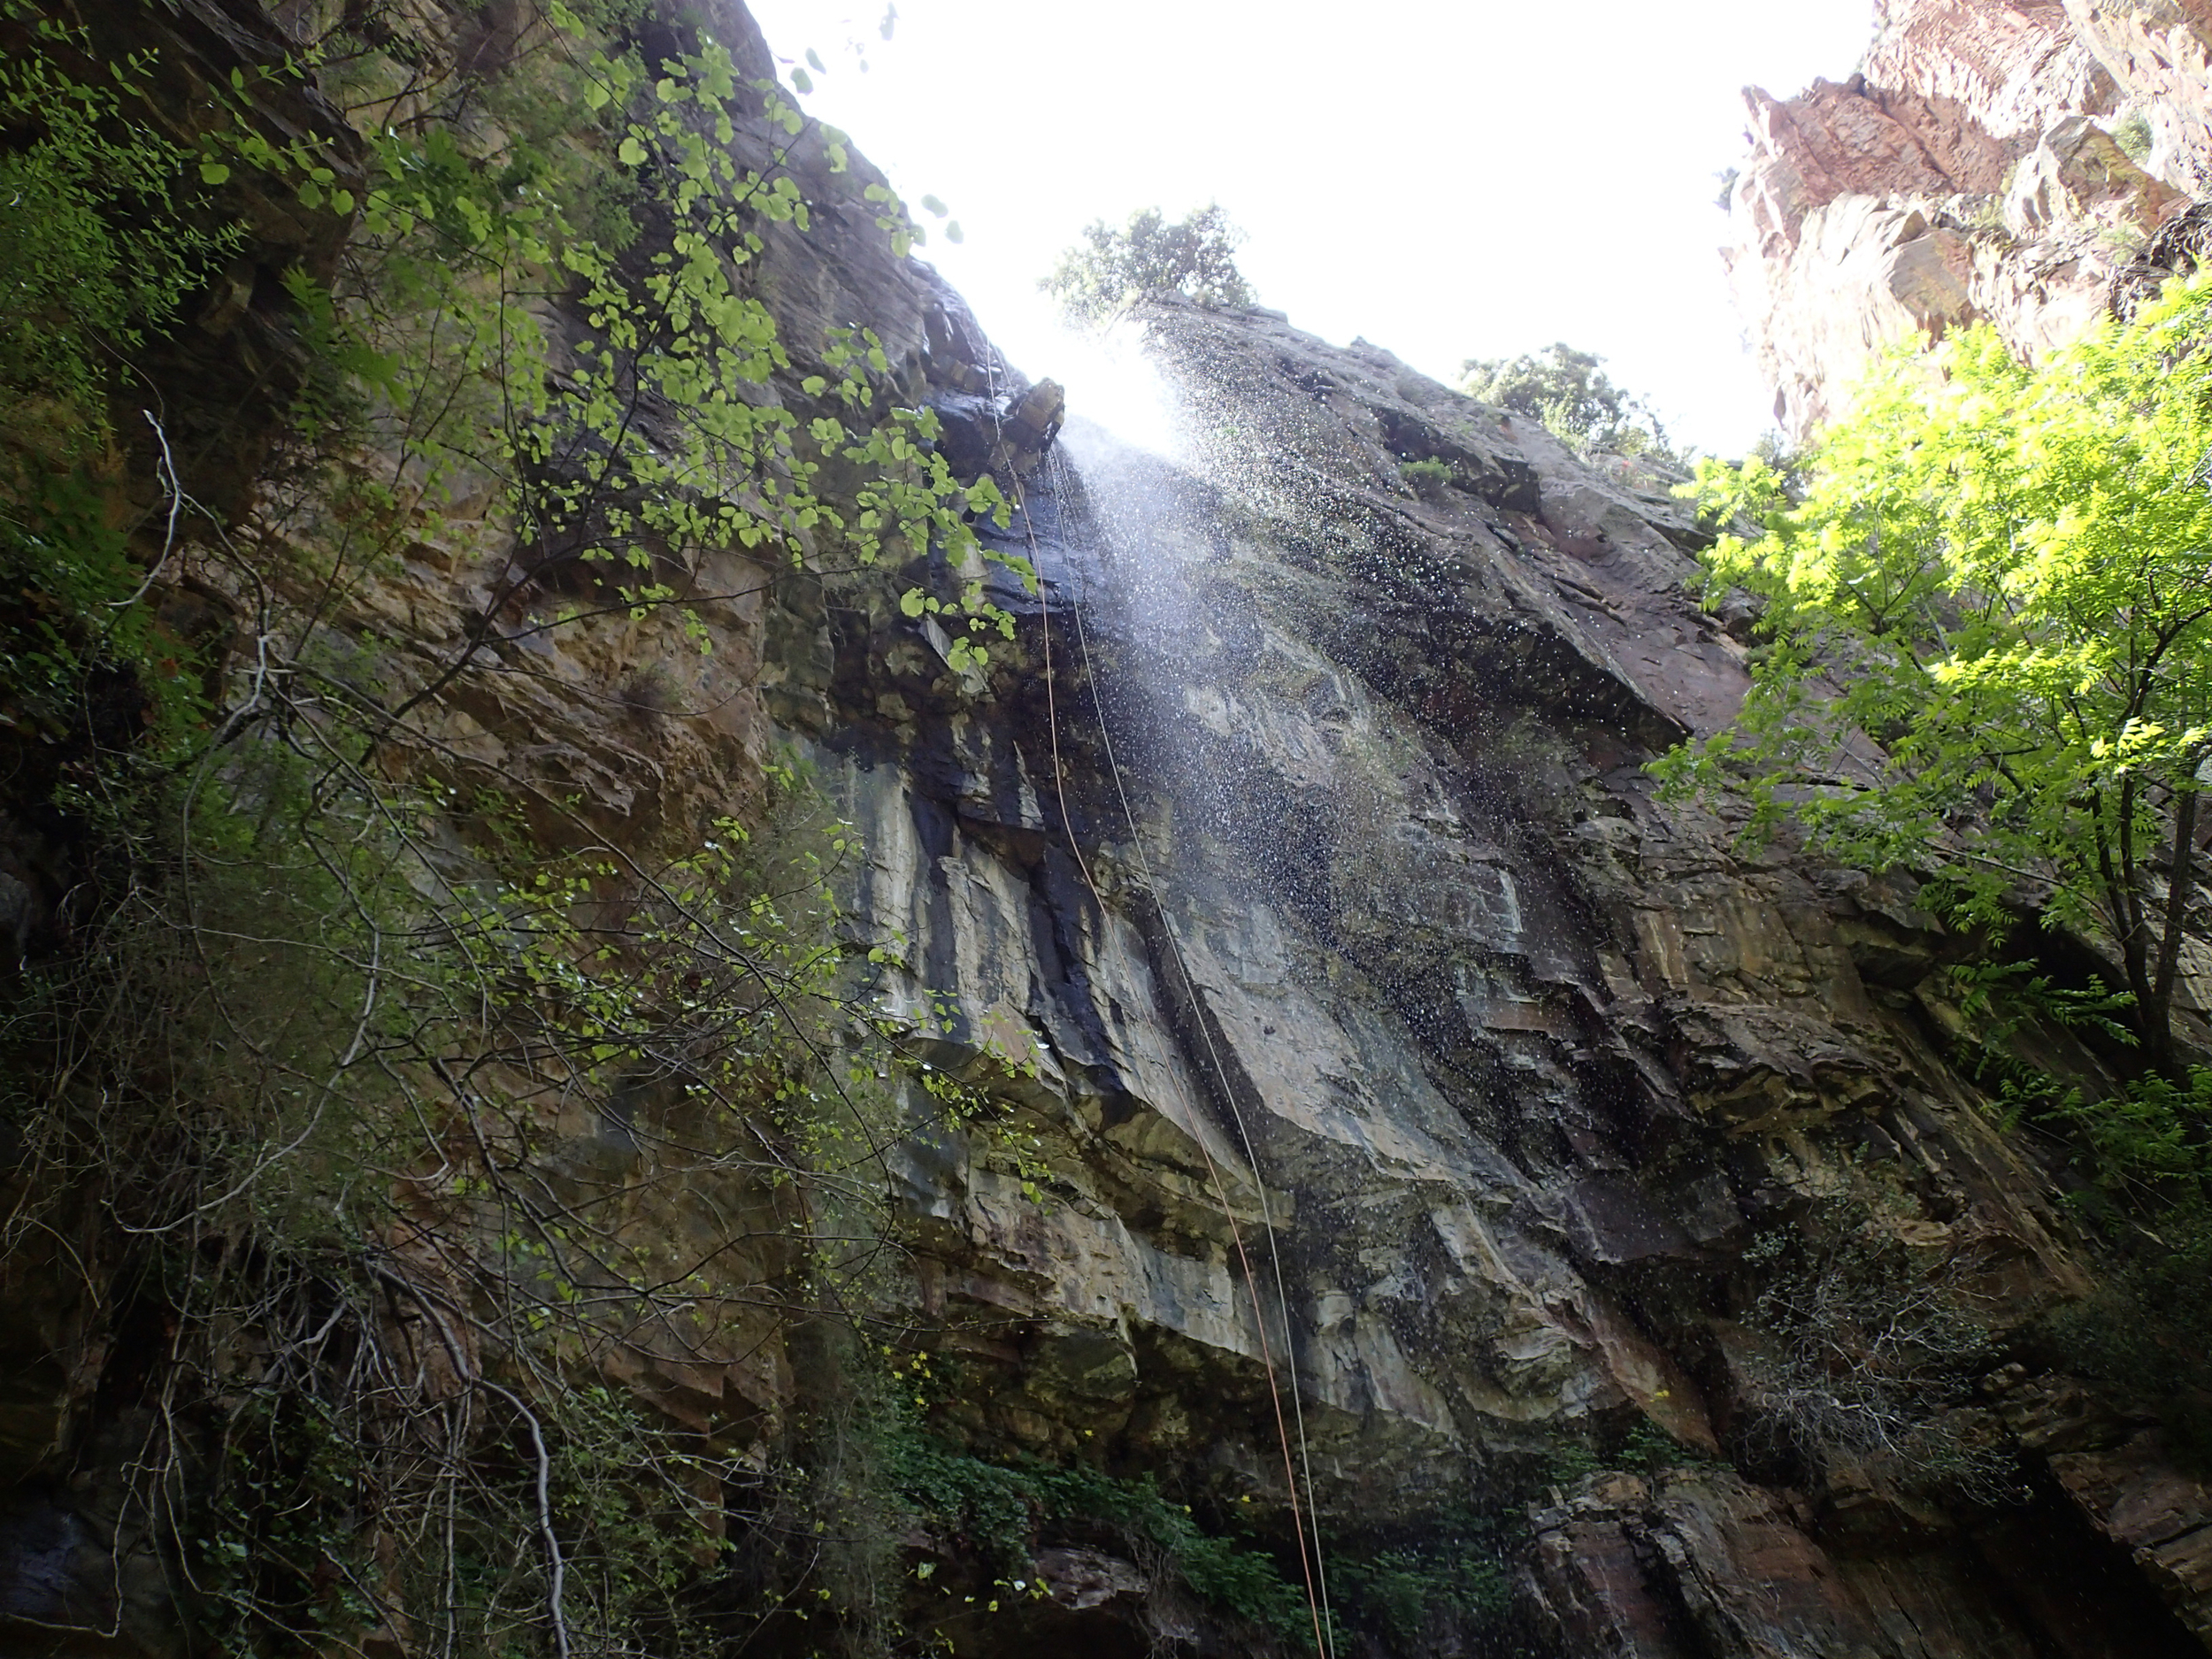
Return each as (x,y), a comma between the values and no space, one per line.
(1355,888)
(1357,1019)
(2022,163)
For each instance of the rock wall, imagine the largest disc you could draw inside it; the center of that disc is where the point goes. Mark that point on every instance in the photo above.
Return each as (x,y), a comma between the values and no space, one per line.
(1526,1060)
(2006,161)
(1376,1028)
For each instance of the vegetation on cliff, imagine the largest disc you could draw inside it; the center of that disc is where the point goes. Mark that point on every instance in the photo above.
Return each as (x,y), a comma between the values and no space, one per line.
(1985,658)
(1988,637)
(406,1133)
(1570,392)
(1195,255)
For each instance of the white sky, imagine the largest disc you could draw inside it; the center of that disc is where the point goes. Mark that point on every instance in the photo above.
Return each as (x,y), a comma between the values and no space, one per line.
(1448,181)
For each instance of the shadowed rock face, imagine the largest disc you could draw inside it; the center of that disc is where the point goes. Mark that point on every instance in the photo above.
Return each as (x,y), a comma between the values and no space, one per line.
(1299,857)
(2006,161)
(1323,888)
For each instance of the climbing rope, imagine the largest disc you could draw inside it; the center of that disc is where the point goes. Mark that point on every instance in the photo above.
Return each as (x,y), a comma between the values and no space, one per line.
(1303,1519)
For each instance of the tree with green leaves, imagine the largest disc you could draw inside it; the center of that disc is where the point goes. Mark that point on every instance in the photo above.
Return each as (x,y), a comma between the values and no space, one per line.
(1195,255)
(1989,627)
(96,248)
(1571,394)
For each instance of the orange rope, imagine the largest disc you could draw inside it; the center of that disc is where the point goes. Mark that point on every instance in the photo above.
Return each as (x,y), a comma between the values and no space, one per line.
(1299,1519)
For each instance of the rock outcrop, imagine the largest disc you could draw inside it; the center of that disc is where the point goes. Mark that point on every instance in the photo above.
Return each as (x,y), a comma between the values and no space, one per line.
(1999,161)
(1338,873)
(1293,884)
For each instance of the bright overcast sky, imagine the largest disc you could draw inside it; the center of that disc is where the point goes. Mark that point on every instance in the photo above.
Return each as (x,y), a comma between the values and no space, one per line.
(1446,179)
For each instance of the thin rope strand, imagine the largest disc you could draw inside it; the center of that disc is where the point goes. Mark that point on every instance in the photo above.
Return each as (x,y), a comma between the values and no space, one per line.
(1309,1564)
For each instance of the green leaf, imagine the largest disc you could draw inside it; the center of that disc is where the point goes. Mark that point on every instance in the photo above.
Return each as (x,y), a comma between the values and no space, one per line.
(1986,654)
(630,153)
(936,208)
(801,79)
(814,61)
(214,172)
(953,231)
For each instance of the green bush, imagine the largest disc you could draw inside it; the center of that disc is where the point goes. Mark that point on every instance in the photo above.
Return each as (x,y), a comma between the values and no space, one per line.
(2148,1330)
(2133,136)
(96,246)
(1003,1511)
(1195,256)
(1415,1595)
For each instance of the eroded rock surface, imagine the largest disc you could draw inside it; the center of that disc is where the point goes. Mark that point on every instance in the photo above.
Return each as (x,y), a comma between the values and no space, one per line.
(1294,881)
(1324,896)
(2005,161)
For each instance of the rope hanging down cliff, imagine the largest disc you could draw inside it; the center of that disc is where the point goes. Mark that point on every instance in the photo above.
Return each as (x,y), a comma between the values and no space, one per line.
(1305,1522)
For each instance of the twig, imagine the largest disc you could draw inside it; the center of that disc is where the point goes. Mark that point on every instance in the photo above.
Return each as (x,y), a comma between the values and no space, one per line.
(556,1569)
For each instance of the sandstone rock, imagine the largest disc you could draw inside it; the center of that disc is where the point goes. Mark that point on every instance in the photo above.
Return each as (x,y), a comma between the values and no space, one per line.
(1360,1029)
(1705,1565)
(2160,52)
(2163,1517)
(1969,173)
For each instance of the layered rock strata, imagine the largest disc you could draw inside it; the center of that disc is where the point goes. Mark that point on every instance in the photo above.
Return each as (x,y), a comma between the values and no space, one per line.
(1295,885)
(1339,872)
(1999,161)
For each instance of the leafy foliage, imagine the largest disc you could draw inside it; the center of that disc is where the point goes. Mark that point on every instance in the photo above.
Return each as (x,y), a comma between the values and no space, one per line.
(1570,392)
(634,454)
(2139,1138)
(2148,1330)
(1452,1584)
(95,245)
(1990,633)
(1455,1583)
(1195,256)
(363,1056)
(1001,1510)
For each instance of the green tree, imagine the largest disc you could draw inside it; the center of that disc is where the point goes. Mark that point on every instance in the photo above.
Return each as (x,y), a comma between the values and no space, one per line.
(96,248)
(1195,255)
(1990,620)
(1571,394)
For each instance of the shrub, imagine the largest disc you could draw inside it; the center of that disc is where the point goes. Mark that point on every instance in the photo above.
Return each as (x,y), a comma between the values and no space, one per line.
(1195,256)
(1866,1350)
(1003,1509)
(1569,392)
(2133,135)
(95,245)
(2148,1329)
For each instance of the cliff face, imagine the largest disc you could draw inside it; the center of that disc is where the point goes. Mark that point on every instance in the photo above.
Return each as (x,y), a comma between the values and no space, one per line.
(1528,1062)
(1293,884)
(2009,163)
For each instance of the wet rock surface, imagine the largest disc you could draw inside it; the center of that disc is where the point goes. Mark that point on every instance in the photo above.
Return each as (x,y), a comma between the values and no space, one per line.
(1326,899)
(1294,884)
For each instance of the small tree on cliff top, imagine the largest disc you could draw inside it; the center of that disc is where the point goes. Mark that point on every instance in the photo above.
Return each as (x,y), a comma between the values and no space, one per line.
(1195,255)
(1570,393)
(2002,576)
